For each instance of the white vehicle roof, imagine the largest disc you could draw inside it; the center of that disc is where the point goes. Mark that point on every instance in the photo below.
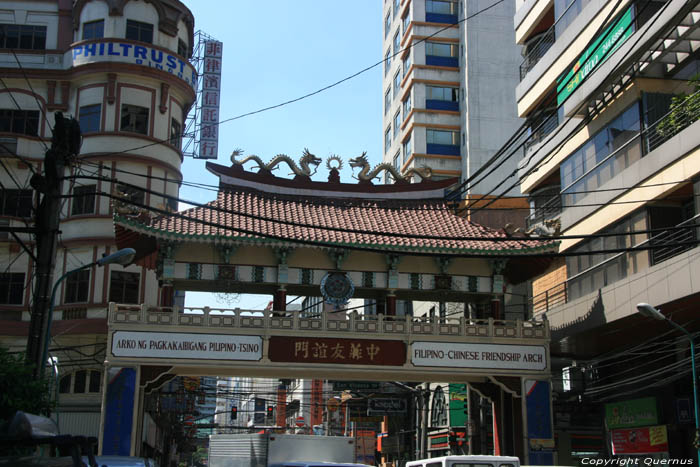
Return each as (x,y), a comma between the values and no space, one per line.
(510,459)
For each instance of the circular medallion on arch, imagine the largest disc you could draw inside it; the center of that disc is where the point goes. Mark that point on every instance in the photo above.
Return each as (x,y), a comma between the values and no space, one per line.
(337,288)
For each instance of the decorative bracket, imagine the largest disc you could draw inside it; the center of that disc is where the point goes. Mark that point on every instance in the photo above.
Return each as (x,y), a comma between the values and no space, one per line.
(338,256)
(443,263)
(226,251)
(282,255)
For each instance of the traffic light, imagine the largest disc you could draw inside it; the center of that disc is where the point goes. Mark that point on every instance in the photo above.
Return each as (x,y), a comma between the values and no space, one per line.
(234,412)
(270,409)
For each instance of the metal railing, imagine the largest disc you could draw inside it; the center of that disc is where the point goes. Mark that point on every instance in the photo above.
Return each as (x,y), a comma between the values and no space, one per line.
(542,44)
(679,239)
(551,209)
(546,124)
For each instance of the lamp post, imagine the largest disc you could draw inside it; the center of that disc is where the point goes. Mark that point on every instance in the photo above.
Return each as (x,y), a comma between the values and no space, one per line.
(123,257)
(651,312)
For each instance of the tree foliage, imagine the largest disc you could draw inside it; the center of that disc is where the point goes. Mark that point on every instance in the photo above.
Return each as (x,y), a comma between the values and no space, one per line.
(684,110)
(19,390)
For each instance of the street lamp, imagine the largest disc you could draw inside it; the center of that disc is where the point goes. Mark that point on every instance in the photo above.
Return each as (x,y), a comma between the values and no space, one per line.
(124,256)
(651,312)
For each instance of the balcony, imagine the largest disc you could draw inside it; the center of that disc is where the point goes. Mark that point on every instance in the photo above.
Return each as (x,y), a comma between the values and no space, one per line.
(674,272)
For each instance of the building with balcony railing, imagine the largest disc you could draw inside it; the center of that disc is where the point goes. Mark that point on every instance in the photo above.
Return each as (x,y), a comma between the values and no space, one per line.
(448,87)
(615,171)
(122,70)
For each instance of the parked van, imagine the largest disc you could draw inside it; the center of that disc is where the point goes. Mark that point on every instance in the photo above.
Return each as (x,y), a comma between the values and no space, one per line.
(466,461)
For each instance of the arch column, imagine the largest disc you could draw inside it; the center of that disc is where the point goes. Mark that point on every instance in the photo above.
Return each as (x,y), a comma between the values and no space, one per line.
(390,300)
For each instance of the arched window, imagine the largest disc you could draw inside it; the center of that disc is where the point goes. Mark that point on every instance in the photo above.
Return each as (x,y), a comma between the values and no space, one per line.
(80,382)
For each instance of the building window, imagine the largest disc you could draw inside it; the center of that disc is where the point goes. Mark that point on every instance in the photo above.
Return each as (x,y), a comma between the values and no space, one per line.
(397,43)
(80,382)
(406,65)
(397,161)
(444,142)
(589,167)
(94,30)
(182,48)
(95,381)
(83,200)
(397,124)
(22,36)
(406,23)
(407,151)
(89,118)
(11,288)
(138,31)
(134,119)
(124,287)
(175,133)
(441,54)
(397,7)
(387,139)
(387,101)
(387,61)
(16,203)
(406,105)
(441,98)
(77,286)
(441,11)
(24,122)
(387,24)
(397,83)
(595,271)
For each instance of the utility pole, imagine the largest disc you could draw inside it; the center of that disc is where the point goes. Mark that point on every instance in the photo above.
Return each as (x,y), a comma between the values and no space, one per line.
(65,144)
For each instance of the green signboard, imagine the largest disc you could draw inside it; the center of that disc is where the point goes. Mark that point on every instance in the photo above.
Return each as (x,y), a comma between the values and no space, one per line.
(632,413)
(612,38)
(458,405)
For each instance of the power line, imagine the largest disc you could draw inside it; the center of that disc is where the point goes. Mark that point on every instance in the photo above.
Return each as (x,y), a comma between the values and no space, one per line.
(362,231)
(560,127)
(389,248)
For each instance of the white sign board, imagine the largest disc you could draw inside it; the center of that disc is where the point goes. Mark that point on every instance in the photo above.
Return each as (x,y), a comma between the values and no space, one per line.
(211,96)
(126,52)
(186,345)
(495,356)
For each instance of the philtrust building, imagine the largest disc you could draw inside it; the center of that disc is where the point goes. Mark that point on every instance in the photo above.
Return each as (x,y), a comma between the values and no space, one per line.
(121,68)
(612,163)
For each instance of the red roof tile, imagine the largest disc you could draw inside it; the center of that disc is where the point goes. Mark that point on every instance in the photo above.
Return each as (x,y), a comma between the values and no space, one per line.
(248,215)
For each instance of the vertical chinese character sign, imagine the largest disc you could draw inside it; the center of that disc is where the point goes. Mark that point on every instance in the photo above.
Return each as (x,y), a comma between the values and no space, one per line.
(211,92)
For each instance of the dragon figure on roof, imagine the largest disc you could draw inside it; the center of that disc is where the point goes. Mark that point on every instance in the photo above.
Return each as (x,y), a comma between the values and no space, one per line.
(303,170)
(366,175)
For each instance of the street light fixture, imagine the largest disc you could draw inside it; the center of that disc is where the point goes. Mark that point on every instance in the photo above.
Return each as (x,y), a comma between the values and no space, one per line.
(651,312)
(123,257)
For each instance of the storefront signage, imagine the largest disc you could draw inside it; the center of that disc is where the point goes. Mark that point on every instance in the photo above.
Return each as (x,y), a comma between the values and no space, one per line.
(355,385)
(344,351)
(386,406)
(632,413)
(126,52)
(644,440)
(211,96)
(174,345)
(507,357)
(613,37)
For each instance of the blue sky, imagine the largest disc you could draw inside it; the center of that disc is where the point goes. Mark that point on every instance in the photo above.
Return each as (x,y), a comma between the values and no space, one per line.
(279,50)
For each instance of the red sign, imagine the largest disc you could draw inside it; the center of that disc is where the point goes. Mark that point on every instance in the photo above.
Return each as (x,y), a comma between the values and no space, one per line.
(328,350)
(644,440)
(300,422)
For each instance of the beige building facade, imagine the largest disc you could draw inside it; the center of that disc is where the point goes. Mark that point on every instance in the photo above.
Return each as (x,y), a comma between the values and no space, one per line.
(121,69)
